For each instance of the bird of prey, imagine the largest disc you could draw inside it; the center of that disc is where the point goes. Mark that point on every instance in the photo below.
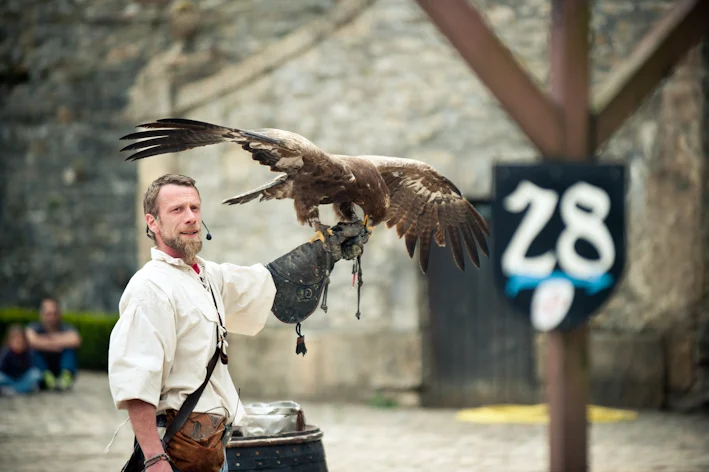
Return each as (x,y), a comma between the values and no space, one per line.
(405,193)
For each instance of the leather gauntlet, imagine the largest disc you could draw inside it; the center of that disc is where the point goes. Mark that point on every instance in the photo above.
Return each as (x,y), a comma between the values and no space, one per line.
(301,276)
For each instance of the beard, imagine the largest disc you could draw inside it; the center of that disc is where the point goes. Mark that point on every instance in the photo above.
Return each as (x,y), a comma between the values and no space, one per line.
(189,248)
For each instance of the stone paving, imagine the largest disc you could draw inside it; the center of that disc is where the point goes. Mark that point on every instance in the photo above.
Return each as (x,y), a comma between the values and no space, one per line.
(67,432)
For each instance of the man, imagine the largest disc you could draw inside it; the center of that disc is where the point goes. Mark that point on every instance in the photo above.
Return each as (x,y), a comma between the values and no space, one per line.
(174,315)
(55,344)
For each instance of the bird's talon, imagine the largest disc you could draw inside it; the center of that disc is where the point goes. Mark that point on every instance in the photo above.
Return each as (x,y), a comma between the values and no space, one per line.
(318,236)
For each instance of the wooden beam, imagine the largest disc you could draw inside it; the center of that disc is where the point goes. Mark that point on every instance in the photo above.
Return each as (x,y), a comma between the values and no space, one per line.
(497,68)
(651,61)
(567,352)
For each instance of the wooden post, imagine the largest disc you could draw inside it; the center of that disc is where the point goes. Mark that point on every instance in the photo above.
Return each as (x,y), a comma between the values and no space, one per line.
(567,352)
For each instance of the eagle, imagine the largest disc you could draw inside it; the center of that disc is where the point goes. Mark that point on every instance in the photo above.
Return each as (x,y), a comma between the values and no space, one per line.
(407,194)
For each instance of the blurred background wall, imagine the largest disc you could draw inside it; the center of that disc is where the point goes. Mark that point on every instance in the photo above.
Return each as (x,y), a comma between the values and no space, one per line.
(355,77)
(68,199)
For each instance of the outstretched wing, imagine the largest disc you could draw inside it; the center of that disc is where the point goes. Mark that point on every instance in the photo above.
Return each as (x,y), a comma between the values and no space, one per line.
(424,201)
(281,150)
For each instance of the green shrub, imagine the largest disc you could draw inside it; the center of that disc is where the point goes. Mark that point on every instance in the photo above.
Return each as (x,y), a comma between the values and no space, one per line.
(94,328)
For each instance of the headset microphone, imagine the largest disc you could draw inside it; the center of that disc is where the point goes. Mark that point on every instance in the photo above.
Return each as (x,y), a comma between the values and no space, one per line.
(209,235)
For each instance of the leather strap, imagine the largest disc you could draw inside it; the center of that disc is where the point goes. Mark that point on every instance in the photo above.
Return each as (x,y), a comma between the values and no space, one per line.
(190,402)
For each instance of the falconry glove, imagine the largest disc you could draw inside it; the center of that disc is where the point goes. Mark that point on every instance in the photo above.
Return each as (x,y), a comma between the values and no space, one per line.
(302,275)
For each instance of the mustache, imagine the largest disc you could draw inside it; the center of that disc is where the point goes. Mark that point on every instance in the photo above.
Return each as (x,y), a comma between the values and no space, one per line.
(188,247)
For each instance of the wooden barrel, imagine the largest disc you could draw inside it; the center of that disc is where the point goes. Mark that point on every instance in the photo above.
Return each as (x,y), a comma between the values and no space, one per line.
(288,452)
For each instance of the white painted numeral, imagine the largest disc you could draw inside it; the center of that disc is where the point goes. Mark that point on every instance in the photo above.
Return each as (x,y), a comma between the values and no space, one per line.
(541,203)
(578,224)
(586,225)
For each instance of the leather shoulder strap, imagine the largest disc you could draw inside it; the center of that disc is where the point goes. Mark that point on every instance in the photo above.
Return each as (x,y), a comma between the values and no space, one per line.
(190,402)
(193,398)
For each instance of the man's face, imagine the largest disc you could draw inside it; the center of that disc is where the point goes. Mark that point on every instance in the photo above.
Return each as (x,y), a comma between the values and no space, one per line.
(179,222)
(49,314)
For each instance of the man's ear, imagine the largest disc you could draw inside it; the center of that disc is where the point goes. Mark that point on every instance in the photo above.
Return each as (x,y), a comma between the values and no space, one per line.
(152,222)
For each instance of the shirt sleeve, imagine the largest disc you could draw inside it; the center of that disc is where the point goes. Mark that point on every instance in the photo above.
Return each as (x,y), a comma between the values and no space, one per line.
(142,345)
(248,293)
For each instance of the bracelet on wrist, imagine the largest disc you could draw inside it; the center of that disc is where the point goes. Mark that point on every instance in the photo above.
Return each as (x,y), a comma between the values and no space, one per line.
(155,459)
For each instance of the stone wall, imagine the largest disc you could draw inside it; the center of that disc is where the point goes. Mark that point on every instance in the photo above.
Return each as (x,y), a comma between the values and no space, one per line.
(67,199)
(387,82)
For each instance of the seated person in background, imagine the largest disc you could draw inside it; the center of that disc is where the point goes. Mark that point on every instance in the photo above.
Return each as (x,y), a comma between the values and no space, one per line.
(55,344)
(18,373)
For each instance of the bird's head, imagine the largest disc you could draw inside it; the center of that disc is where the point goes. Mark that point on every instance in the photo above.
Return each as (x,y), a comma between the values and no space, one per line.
(375,218)
(378,212)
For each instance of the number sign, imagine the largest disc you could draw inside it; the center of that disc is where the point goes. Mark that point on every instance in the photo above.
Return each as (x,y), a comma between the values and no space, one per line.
(558,237)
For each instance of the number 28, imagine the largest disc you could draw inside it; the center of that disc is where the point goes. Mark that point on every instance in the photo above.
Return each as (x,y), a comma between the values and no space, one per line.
(578,224)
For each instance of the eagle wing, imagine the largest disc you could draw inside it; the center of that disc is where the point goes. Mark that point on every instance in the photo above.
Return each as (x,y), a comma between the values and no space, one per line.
(424,201)
(281,150)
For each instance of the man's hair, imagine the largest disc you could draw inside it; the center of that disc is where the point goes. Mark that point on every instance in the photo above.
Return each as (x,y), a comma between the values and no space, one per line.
(150,199)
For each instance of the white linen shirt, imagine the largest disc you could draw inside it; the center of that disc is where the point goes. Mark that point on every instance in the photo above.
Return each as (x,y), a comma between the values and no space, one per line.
(166,332)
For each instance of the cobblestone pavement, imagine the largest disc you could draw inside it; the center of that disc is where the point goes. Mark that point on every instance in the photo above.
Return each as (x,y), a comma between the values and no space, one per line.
(67,432)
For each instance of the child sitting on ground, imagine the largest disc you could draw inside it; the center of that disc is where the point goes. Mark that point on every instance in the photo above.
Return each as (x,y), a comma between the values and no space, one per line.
(18,373)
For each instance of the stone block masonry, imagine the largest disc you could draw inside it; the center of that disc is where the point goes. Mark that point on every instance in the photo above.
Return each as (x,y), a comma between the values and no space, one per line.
(67,199)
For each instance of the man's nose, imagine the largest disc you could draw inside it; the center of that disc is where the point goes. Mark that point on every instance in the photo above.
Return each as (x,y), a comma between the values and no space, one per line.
(190,216)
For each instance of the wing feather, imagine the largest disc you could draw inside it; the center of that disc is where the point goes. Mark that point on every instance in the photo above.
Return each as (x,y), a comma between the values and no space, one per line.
(280,150)
(424,249)
(478,230)
(426,206)
(280,187)
(440,235)
(401,227)
(396,214)
(469,240)
(410,239)
(454,239)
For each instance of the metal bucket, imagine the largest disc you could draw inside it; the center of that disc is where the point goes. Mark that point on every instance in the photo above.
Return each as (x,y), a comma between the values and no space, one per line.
(300,451)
